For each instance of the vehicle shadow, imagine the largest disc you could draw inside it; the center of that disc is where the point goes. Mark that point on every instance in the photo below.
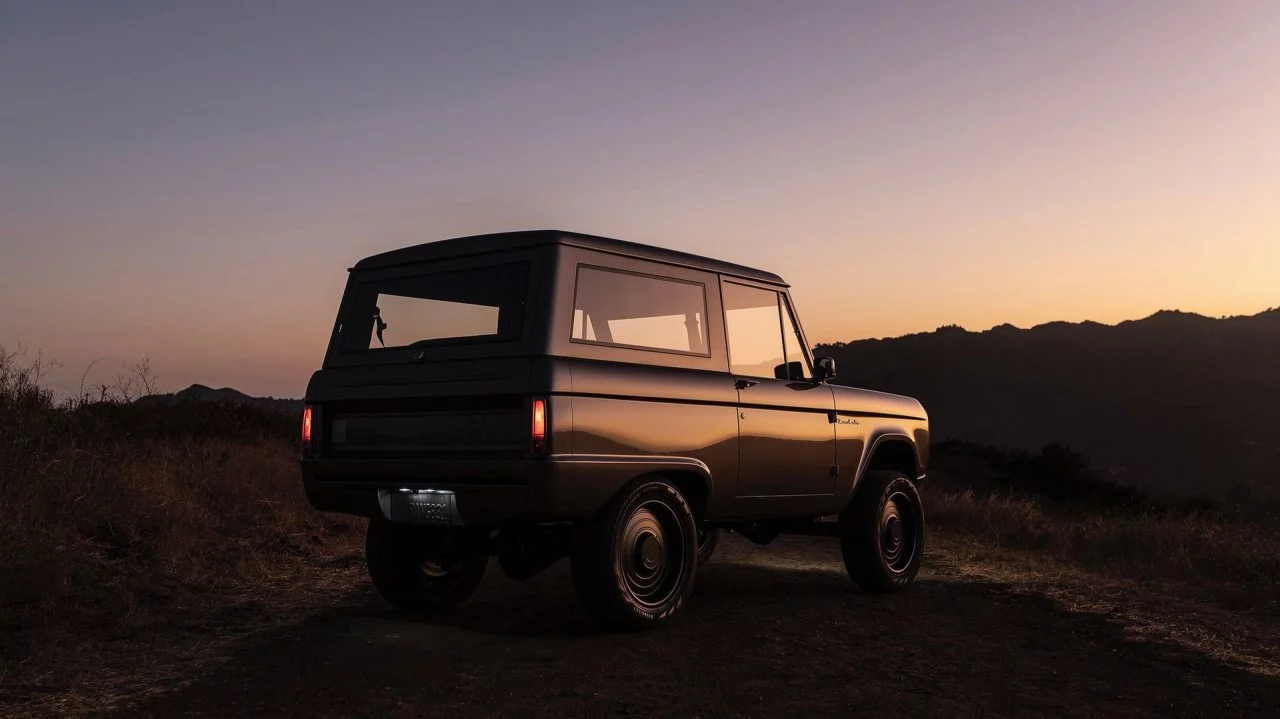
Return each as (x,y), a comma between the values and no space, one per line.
(769,632)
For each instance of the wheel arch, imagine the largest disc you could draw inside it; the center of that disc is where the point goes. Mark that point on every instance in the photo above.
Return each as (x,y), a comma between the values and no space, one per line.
(893,452)
(611,474)
(695,486)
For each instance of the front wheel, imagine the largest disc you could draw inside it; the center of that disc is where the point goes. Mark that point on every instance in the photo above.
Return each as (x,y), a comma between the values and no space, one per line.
(882,533)
(633,564)
(414,568)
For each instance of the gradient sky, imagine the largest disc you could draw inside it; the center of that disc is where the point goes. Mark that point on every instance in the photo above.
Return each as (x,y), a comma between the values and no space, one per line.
(189,181)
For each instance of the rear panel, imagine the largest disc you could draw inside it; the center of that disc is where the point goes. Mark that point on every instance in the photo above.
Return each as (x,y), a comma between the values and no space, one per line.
(432,360)
(428,408)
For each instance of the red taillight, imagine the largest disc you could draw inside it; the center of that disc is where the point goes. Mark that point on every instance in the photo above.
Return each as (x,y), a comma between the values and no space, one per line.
(306,425)
(539,425)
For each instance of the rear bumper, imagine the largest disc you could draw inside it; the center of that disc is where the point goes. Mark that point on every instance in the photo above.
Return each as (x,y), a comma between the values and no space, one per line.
(485,492)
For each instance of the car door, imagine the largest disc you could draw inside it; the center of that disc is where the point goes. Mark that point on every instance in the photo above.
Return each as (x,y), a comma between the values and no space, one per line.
(786,439)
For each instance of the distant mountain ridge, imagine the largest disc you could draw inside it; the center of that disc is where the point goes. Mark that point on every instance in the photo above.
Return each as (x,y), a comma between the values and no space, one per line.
(202,393)
(1176,403)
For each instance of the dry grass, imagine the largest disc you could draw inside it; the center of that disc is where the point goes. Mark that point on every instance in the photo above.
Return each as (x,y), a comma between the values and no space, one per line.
(122,517)
(119,517)
(1211,553)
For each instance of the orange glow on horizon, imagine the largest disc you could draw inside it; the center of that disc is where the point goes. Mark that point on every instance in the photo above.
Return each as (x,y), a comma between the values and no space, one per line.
(903,168)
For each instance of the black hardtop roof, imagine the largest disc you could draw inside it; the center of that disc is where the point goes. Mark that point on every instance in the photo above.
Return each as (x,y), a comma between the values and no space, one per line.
(522,239)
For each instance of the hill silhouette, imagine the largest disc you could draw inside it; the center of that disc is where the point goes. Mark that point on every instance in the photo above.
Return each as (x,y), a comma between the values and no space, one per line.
(1176,403)
(202,393)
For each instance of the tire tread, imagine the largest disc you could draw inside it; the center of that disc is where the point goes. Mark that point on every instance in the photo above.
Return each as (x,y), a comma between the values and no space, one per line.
(859,535)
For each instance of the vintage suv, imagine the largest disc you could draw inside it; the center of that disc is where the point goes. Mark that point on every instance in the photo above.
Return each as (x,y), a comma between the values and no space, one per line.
(540,394)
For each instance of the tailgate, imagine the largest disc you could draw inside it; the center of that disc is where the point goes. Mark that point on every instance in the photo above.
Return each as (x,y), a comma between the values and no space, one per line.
(424,409)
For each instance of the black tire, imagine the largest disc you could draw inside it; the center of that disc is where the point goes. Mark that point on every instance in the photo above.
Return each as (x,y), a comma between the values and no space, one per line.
(411,571)
(633,565)
(882,533)
(708,538)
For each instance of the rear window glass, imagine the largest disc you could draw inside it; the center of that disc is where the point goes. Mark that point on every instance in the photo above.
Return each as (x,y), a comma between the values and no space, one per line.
(455,306)
(640,311)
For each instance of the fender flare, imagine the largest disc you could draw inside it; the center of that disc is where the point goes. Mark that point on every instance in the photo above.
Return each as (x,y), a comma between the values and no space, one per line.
(874,445)
(620,470)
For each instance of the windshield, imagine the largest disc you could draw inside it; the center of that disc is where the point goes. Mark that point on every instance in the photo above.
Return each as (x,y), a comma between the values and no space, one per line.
(454,306)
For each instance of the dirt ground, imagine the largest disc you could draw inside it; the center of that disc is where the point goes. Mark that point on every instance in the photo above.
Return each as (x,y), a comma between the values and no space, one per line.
(771,631)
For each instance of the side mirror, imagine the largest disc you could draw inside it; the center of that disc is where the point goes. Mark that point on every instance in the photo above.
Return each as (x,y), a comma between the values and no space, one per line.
(825,369)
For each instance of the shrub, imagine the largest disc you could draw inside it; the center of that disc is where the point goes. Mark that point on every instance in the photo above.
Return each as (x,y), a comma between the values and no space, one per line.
(117,511)
(1056,473)
(1232,558)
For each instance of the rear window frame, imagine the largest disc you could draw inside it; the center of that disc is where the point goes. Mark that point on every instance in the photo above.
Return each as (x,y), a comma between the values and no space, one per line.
(462,348)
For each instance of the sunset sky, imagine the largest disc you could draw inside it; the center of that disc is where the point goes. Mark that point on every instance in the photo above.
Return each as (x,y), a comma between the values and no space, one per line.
(190,181)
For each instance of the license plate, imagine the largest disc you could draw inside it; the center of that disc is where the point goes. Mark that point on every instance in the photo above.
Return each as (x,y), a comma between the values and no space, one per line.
(420,506)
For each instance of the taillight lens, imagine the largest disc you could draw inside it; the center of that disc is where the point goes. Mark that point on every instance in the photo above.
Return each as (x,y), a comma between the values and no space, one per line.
(306,427)
(539,425)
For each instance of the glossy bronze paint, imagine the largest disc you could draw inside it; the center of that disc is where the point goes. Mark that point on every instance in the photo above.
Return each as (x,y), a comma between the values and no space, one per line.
(767,448)
(634,414)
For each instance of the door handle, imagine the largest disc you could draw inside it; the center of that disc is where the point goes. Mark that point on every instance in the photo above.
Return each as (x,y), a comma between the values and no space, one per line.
(745,383)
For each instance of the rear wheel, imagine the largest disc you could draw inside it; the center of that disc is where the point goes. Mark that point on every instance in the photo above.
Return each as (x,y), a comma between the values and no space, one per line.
(882,533)
(421,569)
(633,564)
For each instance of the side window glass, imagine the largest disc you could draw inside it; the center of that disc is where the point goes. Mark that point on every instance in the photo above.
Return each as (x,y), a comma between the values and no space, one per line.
(791,341)
(639,311)
(755,333)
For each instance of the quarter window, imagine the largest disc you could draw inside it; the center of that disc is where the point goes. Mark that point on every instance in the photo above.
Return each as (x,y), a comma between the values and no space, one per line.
(641,311)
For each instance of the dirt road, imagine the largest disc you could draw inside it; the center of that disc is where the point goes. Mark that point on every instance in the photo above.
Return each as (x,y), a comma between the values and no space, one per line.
(773,631)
